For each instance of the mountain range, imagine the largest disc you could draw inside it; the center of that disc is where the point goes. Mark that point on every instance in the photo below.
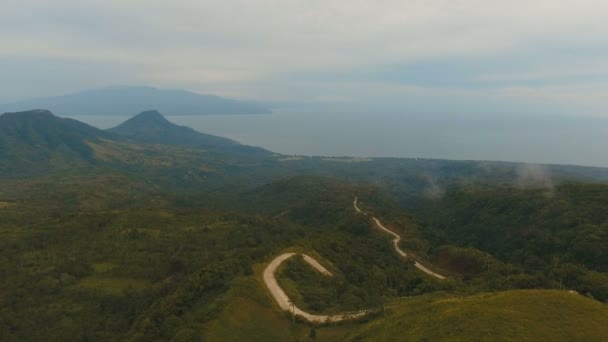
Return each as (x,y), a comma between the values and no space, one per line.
(153,128)
(37,142)
(153,231)
(126,100)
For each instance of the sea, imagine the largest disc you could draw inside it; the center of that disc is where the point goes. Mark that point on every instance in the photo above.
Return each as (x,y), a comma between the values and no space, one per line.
(522,138)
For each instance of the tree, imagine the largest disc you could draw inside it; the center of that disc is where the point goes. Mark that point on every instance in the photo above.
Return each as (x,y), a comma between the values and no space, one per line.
(313,333)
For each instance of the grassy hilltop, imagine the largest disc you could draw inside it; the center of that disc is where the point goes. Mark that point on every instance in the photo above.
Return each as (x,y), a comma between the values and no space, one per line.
(524,315)
(520,315)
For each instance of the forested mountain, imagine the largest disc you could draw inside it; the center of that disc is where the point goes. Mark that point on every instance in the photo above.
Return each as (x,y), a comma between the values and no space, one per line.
(152,127)
(124,100)
(152,231)
(42,130)
(150,144)
(37,141)
(557,235)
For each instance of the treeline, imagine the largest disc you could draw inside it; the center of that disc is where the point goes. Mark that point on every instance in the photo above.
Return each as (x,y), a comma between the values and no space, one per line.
(552,238)
(83,259)
(87,260)
(367,271)
(91,270)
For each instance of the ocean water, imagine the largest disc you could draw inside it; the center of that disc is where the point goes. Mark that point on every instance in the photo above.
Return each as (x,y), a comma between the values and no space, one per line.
(534,139)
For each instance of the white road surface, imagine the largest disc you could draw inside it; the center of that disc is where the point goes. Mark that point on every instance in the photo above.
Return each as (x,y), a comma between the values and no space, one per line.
(396,241)
(286,304)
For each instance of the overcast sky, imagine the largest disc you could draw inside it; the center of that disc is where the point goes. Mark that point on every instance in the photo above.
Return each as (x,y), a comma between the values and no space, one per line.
(486,56)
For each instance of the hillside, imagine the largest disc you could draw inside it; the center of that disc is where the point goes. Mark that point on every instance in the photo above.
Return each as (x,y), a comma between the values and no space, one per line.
(523,315)
(504,316)
(149,237)
(151,127)
(128,100)
(37,144)
(557,235)
(37,141)
(568,221)
(67,144)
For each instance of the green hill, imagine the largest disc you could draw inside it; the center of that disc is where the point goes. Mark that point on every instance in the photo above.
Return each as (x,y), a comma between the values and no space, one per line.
(523,315)
(152,128)
(532,315)
(558,235)
(37,141)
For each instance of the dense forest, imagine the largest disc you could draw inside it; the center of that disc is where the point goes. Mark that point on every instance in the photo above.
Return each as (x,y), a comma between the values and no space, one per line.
(108,238)
(557,236)
(94,269)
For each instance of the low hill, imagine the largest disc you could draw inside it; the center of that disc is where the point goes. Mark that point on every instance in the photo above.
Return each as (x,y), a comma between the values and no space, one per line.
(129,100)
(151,127)
(531,315)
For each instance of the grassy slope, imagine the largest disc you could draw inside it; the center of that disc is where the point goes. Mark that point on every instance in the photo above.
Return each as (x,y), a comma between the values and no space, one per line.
(524,315)
(530,315)
(251,315)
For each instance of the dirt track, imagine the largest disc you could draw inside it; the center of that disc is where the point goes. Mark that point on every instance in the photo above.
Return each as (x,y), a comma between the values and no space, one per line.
(283,300)
(396,241)
(286,304)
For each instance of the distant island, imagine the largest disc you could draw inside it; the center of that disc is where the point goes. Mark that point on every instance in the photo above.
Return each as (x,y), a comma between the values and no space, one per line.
(126,100)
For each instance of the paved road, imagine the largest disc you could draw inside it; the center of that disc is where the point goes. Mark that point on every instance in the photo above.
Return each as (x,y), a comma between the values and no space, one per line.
(315,264)
(396,241)
(286,304)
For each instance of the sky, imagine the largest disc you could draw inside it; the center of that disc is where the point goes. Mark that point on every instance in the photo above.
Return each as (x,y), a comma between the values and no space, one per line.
(547,57)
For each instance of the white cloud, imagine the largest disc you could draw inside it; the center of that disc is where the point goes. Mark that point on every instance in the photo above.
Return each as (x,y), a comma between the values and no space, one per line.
(245,47)
(552,70)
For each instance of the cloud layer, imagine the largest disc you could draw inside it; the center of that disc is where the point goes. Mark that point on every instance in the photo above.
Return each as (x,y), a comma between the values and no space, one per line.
(435,55)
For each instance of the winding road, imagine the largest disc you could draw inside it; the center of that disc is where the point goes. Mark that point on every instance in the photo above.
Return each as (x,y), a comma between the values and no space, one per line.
(286,304)
(396,241)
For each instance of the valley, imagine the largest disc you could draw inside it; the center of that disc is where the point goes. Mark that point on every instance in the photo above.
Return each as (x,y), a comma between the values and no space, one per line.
(292,171)
(286,304)
(153,231)
(396,242)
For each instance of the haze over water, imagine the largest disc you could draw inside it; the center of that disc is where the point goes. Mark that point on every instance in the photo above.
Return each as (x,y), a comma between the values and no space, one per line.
(536,139)
(483,62)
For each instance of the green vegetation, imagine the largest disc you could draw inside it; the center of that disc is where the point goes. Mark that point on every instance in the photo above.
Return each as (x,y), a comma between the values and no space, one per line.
(250,315)
(152,127)
(112,285)
(536,238)
(104,238)
(131,262)
(120,270)
(532,315)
